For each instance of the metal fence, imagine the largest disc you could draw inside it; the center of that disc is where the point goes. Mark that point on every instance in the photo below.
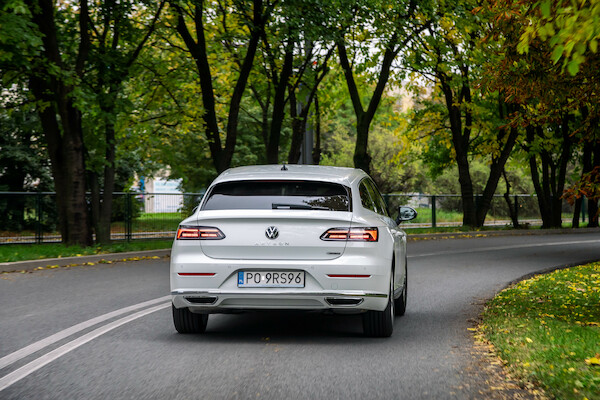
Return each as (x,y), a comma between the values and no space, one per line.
(446,210)
(32,217)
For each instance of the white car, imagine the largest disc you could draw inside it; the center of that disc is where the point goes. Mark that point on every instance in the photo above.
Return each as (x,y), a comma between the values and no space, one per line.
(291,237)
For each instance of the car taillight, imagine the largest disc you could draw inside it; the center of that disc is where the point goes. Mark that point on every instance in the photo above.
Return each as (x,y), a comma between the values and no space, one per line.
(353,234)
(199,233)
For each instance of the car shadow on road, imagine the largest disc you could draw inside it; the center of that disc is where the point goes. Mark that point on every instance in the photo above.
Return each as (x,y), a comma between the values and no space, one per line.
(284,326)
(416,328)
(291,325)
(308,327)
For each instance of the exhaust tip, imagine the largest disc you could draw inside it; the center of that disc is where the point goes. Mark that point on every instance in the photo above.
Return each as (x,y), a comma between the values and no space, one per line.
(202,300)
(343,301)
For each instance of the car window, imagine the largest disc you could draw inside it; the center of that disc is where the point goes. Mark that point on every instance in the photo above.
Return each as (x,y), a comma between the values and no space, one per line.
(377,198)
(365,197)
(273,195)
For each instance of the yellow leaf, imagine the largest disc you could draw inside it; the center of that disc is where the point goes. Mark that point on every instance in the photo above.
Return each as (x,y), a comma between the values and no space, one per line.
(592,361)
(529,340)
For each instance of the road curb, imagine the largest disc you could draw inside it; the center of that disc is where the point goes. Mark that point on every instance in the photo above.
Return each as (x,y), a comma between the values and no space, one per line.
(31,265)
(48,263)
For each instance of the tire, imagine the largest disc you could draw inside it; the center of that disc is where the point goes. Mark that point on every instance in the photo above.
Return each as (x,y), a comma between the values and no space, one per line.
(400,302)
(188,322)
(381,323)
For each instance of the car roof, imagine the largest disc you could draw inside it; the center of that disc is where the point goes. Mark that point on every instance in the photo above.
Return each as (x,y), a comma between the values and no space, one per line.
(342,175)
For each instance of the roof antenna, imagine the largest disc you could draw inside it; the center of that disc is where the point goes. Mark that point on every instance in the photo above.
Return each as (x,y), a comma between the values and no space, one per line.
(284,168)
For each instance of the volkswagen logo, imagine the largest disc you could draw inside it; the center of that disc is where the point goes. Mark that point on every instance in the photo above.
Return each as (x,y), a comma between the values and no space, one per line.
(272,232)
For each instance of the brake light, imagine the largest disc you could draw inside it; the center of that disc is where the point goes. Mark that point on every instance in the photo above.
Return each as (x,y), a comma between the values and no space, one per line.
(199,233)
(352,234)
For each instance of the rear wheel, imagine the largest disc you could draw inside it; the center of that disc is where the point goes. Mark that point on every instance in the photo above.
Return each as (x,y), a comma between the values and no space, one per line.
(400,302)
(188,322)
(381,323)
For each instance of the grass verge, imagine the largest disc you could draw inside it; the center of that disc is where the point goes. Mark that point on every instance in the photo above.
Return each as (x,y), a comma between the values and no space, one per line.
(22,252)
(547,331)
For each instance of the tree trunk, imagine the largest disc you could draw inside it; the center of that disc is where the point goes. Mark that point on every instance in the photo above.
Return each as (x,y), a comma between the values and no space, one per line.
(61,123)
(593,213)
(593,203)
(298,131)
(317,148)
(576,212)
(496,170)
(513,210)
(460,141)
(535,177)
(300,119)
(558,182)
(466,191)
(279,104)
(104,223)
(95,200)
(549,191)
(362,159)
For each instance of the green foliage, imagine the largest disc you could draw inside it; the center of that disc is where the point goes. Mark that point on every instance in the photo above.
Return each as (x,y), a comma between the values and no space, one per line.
(507,53)
(24,165)
(570,28)
(19,39)
(393,167)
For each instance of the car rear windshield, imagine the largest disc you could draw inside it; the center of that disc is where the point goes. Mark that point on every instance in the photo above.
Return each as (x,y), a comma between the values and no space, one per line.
(278,195)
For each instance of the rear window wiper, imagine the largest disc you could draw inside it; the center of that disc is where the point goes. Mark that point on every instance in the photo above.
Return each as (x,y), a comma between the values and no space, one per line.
(282,206)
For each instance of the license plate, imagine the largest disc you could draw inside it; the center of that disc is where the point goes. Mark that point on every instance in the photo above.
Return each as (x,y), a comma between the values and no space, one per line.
(271,279)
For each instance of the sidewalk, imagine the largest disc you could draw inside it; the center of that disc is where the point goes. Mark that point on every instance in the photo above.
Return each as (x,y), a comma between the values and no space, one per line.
(50,263)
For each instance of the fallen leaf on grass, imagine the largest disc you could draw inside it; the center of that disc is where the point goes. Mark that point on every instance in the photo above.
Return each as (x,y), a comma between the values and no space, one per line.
(593,360)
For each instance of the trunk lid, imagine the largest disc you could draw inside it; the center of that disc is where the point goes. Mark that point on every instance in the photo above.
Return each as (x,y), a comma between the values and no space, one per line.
(274,234)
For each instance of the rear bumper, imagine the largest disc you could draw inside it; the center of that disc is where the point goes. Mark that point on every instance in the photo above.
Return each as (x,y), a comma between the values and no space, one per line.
(218,301)
(357,281)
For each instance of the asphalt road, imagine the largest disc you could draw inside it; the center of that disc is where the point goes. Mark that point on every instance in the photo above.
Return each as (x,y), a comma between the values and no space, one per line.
(135,352)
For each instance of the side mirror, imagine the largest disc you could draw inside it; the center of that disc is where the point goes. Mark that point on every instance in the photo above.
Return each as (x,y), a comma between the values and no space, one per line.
(406,214)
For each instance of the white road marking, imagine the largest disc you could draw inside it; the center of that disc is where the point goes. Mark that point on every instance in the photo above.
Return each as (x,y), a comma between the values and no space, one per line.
(38,363)
(32,348)
(518,246)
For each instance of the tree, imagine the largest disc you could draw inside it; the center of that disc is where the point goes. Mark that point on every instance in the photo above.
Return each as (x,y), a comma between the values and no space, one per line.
(54,69)
(316,45)
(250,21)
(394,166)
(76,80)
(389,30)
(558,110)
(120,33)
(450,55)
